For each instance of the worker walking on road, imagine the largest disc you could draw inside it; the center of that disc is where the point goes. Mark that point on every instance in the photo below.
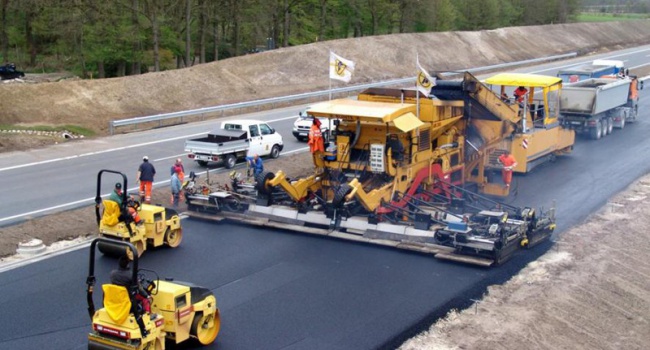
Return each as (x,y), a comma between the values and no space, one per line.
(509,163)
(146,172)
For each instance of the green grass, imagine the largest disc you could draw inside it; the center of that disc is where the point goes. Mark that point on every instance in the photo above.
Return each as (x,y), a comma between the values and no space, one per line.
(610,17)
(75,129)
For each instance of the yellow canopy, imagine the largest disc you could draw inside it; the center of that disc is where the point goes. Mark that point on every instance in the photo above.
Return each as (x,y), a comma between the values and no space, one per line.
(370,111)
(408,122)
(523,79)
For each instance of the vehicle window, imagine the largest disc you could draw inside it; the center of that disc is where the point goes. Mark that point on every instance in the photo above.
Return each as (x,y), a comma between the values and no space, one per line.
(254,130)
(266,130)
(232,127)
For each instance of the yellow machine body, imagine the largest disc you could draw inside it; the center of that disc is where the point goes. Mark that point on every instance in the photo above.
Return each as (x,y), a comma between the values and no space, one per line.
(538,133)
(369,132)
(157,227)
(177,319)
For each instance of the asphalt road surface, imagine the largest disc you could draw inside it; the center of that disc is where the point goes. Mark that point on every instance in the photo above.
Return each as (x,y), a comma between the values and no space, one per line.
(280,290)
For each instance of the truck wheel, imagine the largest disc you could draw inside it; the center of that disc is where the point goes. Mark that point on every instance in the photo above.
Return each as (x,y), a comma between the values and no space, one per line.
(230,161)
(206,327)
(275,151)
(622,123)
(202,162)
(596,132)
(610,125)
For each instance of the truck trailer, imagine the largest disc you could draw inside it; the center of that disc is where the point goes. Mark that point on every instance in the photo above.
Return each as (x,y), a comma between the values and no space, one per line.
(594,107)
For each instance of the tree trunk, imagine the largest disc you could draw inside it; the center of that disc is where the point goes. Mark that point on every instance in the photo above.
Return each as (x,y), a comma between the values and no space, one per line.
(136,64)
(322,20)
(156,42)
(101,71)
(203,22)
(287,20)
(29,38)
(3,34)
(188,34)
(236,28)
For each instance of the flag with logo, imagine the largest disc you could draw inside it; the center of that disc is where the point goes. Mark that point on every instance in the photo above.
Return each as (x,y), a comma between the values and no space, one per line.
(340,68)
(424,81)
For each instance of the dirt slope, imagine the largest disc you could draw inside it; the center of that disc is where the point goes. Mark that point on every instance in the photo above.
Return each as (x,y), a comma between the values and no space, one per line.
(93,103)
(592,291)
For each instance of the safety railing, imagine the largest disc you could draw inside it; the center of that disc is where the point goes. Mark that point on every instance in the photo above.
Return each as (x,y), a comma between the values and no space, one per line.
(202,112)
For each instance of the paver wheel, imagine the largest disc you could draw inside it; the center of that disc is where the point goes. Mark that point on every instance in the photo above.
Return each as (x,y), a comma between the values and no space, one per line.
(260,182)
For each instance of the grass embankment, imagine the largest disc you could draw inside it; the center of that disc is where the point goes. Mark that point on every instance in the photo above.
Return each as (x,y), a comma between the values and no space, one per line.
(74,129)
(610,17)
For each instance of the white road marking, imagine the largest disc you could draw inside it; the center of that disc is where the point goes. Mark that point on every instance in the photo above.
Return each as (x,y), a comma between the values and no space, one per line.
(92,199)
(119,148)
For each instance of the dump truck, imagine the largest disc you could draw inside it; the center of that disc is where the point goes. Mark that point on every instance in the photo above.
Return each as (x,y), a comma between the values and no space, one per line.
(596,69)
(400,173)
(594,107)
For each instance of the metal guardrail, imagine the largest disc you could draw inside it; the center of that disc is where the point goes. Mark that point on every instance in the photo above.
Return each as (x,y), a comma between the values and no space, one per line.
(206,110)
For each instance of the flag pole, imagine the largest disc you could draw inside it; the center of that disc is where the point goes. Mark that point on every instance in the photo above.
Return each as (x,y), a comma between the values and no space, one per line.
(329,68)
(417,91)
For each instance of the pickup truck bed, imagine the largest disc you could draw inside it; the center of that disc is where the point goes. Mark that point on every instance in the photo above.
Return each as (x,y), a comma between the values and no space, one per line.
(218,145)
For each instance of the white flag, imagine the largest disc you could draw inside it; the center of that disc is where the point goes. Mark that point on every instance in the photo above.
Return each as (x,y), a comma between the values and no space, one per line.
(424,81)
(340,68)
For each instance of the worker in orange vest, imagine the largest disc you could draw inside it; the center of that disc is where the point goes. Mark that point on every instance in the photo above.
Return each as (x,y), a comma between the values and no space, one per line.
(316,142)
(519,93)
(508,161)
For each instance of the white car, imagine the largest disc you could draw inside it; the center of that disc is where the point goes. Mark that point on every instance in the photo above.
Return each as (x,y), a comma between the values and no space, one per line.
(302,125)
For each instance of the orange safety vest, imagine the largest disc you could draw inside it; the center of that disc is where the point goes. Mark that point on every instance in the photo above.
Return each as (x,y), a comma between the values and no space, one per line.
(316,142)
(519,94)
(507,160)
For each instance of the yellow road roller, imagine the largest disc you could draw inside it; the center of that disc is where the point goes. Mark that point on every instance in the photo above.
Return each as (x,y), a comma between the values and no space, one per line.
(175,311)
(122,218)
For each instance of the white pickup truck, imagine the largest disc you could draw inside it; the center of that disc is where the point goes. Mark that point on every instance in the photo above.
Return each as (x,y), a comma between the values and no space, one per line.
(236,139)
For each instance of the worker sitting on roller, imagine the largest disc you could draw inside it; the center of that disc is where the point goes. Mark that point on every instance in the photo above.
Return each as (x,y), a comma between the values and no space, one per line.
(116,196)
(509,163)
(122,276)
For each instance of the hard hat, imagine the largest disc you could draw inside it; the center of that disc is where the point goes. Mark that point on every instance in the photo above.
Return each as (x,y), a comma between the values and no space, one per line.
(145,158)
(118,186)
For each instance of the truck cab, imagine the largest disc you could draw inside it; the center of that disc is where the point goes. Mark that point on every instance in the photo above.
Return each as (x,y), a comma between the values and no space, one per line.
(596,69)
(262,138)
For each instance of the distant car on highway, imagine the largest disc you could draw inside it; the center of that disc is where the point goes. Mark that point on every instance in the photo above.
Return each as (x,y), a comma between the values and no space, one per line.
(303,123)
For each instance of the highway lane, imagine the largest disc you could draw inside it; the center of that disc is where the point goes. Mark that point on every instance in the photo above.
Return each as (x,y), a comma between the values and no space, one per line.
(64,176)
(275,290)
(283,290)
